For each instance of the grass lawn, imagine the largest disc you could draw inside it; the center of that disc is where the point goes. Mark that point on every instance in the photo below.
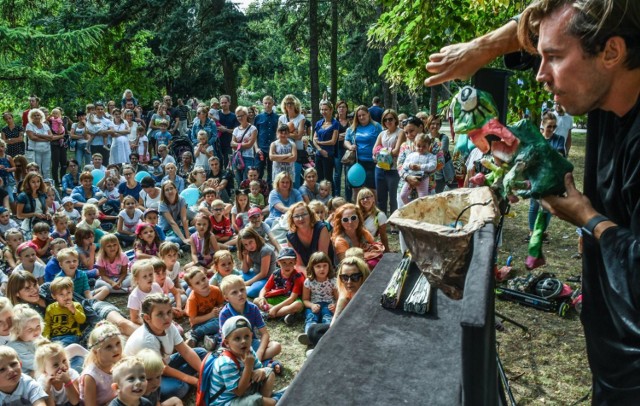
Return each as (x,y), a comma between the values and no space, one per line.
(545,366)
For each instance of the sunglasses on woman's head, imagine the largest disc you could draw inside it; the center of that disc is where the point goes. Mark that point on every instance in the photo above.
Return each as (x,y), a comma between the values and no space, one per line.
(349,219)
(407,120)
(354,277)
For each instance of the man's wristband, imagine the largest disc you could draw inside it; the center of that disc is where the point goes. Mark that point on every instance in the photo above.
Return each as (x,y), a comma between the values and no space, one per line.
(593,223)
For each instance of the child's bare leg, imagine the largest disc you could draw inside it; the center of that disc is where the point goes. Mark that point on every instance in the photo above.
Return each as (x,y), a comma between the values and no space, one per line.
(75,350)
(126,327)
(273,348)
(267,389)
(101,293)
(294,307)
(87,148)
(174,401)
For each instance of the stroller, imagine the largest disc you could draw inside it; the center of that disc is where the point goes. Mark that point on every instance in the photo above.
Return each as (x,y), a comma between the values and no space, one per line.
(180,145)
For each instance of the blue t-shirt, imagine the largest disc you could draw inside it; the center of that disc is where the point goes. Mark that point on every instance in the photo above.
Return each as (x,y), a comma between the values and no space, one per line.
(251,312)
(52,269)
(325,134)
(163,137)
(376,113)
(125,191)
(365,137)
(267,125)
(230,121)
(275,198)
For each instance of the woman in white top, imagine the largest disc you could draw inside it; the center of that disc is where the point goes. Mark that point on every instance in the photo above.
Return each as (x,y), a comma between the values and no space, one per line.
(149,195)
(81,136)
(39,143)
(133,128)
(375,221)
(292,114)
(245,136)
(387,179)
(120,146)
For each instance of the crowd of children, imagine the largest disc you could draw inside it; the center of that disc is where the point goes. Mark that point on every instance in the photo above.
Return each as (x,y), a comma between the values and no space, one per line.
(198,278)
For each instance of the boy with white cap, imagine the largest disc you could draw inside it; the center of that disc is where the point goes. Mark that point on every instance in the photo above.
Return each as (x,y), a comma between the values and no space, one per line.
(238,376)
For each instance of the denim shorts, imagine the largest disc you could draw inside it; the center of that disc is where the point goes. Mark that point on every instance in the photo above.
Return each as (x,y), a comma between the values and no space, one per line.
(103,309)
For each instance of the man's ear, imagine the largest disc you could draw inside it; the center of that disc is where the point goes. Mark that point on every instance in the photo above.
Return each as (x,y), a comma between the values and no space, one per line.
(614,53)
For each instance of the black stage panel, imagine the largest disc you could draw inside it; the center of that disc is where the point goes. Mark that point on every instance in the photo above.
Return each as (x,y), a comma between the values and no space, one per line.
(375,356)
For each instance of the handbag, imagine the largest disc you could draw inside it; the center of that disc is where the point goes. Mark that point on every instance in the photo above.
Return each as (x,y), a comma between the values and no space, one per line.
(373,253)
(237,161)
(350,157)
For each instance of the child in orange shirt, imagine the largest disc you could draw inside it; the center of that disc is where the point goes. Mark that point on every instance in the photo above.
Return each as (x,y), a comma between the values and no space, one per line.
(203,308)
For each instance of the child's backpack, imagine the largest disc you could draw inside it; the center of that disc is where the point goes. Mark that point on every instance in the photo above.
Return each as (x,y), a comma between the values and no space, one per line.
(204,378)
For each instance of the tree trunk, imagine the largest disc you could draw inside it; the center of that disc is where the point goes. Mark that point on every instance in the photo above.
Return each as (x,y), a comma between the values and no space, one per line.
(334,52)
(414,101)
(313,60)
(229,74)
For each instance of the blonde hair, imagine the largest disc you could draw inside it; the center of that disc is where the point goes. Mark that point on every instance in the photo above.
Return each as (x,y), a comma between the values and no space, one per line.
(121,368)
(151,360)
(22,314)
(229,282)
(354,252)
(45,351)
(7,352)
(60,284)
(355,262)
(220,254)
(5,305)
(101,332)
(107,239)
(65,253)
(138,267)
(88,208)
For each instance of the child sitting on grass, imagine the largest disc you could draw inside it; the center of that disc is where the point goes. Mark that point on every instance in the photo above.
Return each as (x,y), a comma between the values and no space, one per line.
(203,308)
(42,240)
(53,266)
(153,367)
(129,383)
(64,318)
(142,276)
(68,259)
(55,375)
(29,261)
(168,287)
(26,329)
(21,390)
(235,293)
(281,296)
(238,375)
(224,266)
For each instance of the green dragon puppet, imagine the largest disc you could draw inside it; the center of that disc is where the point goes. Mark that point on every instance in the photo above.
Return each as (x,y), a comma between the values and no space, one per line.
(524,164)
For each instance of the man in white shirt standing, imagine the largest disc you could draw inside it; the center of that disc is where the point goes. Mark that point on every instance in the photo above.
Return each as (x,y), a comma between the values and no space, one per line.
(565,123)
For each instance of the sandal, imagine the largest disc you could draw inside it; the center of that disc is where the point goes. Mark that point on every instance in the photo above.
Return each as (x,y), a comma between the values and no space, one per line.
(276,365)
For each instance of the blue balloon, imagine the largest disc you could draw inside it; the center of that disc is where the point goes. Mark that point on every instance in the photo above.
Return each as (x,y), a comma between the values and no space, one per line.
(356,175)
(98,175)
(141,175)
(190,195)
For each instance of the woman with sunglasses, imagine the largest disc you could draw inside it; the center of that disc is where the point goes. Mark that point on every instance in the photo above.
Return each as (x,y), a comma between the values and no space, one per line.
(349,230)
(130,187)
(548,128)
(352,273)
(203,123)
(307,234)
(13,135)
(362,135)
(389,142)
